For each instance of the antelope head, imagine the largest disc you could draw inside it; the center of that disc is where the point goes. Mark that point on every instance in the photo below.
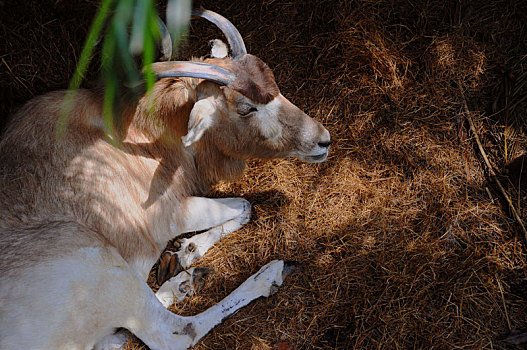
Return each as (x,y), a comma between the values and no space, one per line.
(239,107)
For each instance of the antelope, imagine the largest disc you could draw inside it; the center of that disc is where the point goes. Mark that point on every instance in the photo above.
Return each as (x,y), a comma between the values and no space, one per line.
(82,221)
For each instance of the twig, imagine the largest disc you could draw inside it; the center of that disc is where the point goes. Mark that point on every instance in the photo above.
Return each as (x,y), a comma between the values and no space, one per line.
(16,78)
(503,302)
(491,169)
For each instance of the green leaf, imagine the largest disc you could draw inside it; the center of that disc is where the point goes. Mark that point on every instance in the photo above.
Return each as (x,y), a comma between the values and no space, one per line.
(82,65)
(139,25)
(178,17)
(123,17)
(90,43)
(110,82)
(118,67)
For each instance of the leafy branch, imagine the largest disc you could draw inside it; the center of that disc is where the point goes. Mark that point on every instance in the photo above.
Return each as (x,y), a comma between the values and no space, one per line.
(132,29)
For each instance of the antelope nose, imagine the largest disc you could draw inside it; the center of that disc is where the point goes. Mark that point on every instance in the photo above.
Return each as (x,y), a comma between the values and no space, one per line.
(324,144)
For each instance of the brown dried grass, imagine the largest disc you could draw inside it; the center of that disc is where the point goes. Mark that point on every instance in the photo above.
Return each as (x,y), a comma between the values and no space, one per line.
(400,244)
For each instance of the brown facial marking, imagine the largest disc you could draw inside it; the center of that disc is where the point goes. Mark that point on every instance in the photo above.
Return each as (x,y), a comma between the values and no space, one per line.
(254,79)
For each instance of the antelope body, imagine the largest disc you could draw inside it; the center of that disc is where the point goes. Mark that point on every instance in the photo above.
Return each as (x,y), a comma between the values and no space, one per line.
(82,221)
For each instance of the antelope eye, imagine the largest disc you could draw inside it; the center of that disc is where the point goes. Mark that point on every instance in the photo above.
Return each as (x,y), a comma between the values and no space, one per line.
(246,109)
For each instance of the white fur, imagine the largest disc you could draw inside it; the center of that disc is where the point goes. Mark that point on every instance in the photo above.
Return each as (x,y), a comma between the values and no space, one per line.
(171,290)
(205,213)
(204,241)
(218,49)
(143,265)
(200,119)
(268,114)
(261,284)
(85,296)
(224,215)
(182,332)
(80,289)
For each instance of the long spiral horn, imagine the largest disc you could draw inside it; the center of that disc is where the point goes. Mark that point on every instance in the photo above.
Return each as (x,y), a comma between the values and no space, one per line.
(200,70)
(166,40)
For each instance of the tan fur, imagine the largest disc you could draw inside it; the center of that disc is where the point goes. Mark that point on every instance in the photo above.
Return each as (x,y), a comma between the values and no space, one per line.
(59,195)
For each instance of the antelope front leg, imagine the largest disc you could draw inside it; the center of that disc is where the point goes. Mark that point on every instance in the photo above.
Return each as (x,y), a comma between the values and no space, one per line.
(185,283)
(205,213)
(221,216)
(193,248)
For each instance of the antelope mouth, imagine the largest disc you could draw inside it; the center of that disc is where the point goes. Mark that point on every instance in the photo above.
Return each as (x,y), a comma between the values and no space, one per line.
(317,158)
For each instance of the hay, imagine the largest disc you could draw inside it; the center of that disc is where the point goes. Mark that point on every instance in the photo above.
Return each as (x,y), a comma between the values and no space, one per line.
(403,243)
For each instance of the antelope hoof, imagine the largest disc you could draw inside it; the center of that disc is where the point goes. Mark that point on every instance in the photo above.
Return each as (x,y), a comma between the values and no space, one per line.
(168,267)
(271,276)
(289,267)
(245,216)
(185,283)
(200,275)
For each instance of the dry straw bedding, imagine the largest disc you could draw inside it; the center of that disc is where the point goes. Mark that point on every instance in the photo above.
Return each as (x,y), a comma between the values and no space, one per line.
(402,240)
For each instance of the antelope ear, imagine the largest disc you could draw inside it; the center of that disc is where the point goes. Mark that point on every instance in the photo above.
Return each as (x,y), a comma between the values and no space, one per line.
(200,119)
(218,49)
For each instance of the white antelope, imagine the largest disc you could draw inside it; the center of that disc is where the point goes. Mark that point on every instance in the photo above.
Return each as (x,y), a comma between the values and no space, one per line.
(82,222)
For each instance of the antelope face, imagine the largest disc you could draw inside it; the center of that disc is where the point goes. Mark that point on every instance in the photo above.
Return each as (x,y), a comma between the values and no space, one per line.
(251,119)
(270,127)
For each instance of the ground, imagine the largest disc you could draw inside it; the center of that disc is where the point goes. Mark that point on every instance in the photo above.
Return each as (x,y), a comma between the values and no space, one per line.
(403,239)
